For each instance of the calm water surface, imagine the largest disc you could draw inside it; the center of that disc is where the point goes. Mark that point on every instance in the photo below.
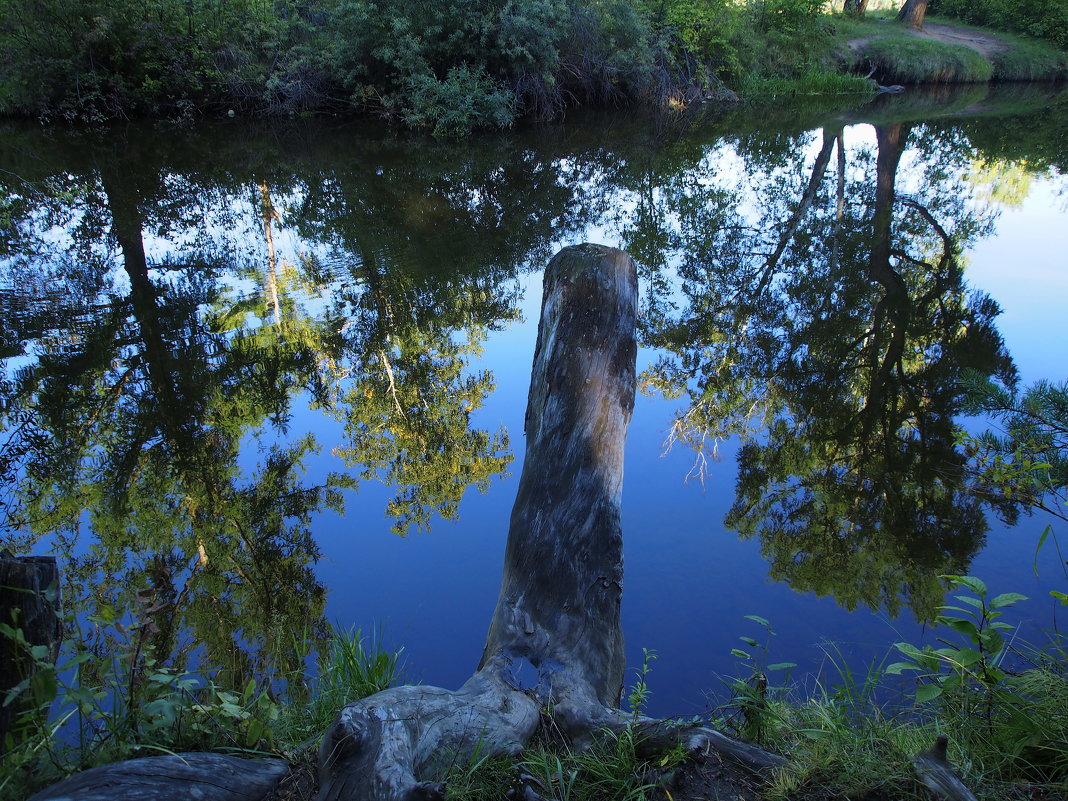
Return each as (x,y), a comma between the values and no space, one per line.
(261,378)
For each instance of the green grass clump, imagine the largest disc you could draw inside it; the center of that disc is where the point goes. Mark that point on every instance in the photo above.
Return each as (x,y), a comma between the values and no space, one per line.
(905,59)
(812,82)
(848,756)
(1028,60)
(351,667)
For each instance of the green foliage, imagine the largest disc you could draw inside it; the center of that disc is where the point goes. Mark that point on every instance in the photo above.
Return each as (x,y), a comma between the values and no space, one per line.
(465,99)
(976,665)
(131,704)
(1043,19)
(1011,721)
(755,712)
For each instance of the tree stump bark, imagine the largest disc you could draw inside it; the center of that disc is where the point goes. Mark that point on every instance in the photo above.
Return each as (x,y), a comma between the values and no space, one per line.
(30,606)
(557,617)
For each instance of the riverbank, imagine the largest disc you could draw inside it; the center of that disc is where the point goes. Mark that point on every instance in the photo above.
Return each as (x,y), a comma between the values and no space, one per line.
(1007,733)
(481,65)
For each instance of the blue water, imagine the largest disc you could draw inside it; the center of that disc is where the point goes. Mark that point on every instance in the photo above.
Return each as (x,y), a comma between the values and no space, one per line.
(690,581)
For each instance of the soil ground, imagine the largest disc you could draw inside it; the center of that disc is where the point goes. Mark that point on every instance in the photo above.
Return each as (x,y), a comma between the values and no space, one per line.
(983,43)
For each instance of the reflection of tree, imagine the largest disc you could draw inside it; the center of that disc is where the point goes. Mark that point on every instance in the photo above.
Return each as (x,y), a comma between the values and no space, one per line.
(139,400)
(150,403)
(835,348)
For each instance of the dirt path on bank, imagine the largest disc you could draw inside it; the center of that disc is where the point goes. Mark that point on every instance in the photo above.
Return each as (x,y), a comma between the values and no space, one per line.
(983,43)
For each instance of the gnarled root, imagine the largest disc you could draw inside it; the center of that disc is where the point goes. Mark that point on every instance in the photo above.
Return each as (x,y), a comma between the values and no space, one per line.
(383,747)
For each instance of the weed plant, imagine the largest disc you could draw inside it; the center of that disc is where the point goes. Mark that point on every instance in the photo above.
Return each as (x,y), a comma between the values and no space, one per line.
(1003,706)
(134,706)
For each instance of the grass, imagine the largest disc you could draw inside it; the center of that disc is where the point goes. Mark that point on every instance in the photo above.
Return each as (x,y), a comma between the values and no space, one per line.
(898,56)
(812,82)
(1005,714)
(121,712)
(1028,60)
(351,667)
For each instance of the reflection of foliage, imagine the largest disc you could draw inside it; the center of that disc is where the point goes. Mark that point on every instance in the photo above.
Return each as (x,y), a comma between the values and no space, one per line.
(407,421)
(1027,462)
(140,392)
(834,347)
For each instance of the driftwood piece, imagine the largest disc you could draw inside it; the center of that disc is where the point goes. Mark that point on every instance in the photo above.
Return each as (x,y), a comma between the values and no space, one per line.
(555,638)
(934,770)
(179,777)
(29,602)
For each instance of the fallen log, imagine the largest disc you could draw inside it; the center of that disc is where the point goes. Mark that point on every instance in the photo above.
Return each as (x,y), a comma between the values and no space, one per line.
(177,777)
(557,618)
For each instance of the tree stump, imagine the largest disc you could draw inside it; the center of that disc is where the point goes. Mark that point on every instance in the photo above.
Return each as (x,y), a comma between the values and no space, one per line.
(30,606)
(557,617)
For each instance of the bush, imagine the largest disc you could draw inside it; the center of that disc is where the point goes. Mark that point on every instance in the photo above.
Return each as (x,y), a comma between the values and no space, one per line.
(467,98)
(1044,19)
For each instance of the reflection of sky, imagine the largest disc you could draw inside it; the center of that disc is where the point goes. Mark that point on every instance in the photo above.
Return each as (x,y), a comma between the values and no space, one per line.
(1025,268)
(689,581)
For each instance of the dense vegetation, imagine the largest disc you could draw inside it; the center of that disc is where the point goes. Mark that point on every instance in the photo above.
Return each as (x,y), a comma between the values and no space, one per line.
(445,63)
(1044,19)
(447,66)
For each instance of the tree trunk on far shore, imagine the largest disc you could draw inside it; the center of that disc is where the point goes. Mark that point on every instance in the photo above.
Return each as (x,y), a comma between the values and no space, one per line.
(913,13)
(855,8)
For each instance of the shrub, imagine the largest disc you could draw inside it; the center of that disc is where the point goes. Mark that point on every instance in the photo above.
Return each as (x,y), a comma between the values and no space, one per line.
(467,98)
(1044,19)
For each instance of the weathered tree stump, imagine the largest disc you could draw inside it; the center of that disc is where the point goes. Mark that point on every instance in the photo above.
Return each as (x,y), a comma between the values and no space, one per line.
(179,777)
(557,617)
(29,603)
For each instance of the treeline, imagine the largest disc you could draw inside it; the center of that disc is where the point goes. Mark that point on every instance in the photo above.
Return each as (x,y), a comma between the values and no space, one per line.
(443,64)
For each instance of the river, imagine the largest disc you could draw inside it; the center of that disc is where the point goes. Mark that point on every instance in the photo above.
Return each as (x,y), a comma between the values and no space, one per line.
(258,378)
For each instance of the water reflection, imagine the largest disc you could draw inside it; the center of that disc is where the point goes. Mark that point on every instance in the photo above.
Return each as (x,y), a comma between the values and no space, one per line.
(175,305)
(830,329)
(185,335)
